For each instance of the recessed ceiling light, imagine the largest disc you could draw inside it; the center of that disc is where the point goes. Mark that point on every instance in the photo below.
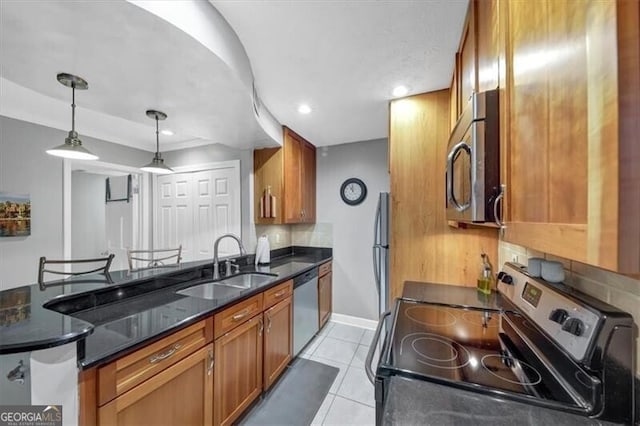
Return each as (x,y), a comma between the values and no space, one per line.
(400,91)
(304,109)
(167,132)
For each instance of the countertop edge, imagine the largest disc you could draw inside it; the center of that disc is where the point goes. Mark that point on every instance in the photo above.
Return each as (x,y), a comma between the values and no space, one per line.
(86,328)
(192,320)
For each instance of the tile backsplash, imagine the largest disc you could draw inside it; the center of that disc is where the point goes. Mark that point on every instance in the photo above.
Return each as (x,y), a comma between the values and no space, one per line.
(312,235)
(279,235)
(618,290)
(309,235)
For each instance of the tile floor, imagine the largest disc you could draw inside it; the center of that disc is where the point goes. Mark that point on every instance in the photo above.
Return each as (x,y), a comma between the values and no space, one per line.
(350,400)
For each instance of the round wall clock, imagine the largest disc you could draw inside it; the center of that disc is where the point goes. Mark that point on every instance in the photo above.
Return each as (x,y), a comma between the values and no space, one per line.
(353,191)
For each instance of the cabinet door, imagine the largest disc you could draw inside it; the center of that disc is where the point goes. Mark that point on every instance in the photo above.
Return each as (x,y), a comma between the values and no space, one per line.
(324,298)
(453,95)
(238,370)
(180,395)
(278,340)
(468,77)
(292,178)
(308,180)
(487,27)
(568,151)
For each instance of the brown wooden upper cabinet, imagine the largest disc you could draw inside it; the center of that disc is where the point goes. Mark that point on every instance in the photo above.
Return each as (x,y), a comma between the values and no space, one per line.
(476,62)
(573,93)
(290,175)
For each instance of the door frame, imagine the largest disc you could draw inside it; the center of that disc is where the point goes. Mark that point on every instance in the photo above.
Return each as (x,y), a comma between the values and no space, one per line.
(68,166)
(235,164)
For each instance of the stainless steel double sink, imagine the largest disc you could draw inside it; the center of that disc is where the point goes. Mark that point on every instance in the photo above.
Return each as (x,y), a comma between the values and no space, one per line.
(228,287)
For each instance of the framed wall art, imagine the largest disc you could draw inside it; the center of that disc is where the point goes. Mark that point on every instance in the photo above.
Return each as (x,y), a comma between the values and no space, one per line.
(15,215)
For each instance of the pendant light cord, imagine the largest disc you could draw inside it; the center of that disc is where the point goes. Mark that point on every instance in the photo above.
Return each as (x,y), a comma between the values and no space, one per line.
(157,138)
(73,107)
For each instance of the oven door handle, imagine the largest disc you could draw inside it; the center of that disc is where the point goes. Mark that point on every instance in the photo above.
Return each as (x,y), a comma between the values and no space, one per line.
(372,349)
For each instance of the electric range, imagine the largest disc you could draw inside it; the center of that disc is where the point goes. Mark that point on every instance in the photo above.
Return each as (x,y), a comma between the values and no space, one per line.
(549,346)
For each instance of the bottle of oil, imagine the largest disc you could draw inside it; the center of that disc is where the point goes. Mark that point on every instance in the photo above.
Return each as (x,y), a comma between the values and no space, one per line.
(485,280)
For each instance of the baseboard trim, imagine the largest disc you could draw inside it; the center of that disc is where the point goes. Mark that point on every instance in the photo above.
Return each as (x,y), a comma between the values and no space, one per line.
(355,321)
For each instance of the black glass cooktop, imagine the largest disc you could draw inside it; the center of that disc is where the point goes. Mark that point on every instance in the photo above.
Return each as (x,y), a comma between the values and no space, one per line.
(466,348)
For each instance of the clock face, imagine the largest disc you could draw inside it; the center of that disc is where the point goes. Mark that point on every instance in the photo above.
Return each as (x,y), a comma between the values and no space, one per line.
(353,191)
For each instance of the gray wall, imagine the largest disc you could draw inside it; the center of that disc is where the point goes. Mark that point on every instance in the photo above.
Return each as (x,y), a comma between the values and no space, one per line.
(354,291)
(26,168)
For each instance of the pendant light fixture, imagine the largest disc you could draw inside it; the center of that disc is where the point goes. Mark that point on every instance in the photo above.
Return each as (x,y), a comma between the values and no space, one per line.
(157,164)
(72,146)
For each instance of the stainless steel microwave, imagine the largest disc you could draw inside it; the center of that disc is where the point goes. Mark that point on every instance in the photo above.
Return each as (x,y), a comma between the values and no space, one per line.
(473,161)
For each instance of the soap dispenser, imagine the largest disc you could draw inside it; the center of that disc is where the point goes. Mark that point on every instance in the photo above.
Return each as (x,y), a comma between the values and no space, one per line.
(485,279)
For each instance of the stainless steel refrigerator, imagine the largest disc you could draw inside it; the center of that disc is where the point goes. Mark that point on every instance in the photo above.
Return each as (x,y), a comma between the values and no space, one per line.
(381,251)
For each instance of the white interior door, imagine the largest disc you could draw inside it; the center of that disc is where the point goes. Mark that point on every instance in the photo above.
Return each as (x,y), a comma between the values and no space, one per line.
(174,225)
(196,207)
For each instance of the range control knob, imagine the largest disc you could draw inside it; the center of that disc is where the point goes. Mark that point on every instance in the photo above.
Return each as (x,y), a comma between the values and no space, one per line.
(573,326)
(558,315)
(505,278)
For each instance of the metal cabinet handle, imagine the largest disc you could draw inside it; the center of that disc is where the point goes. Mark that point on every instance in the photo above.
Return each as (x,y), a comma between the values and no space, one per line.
(280,293)
(164,355)
(211,363)
(268,323)
(261,325)
(372,348)
(499,198)
(240,315)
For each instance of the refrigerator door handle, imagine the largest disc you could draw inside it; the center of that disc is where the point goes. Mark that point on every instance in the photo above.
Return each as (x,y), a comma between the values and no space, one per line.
(376,267)
(376,226)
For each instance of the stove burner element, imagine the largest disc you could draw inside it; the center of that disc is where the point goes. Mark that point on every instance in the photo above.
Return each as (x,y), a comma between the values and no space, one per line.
(437,351)
(431,316)
(485,319)
(503,366)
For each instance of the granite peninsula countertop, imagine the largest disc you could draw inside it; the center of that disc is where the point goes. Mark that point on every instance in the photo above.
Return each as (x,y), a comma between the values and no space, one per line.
(110,320)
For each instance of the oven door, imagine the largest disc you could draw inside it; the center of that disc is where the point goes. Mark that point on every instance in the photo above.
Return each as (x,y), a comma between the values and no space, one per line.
(465,175)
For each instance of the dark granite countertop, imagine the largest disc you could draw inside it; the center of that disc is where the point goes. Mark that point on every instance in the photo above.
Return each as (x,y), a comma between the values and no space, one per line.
(453,295)
(113,319)
(418,402)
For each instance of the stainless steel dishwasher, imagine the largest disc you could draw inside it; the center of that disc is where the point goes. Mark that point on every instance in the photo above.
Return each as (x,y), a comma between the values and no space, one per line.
(305,309)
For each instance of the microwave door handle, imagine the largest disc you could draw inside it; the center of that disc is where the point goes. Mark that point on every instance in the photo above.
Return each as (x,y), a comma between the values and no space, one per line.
(453,154)
(498,219)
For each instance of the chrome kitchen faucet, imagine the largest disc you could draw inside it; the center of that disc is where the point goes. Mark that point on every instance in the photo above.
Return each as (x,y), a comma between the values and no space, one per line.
(216,266)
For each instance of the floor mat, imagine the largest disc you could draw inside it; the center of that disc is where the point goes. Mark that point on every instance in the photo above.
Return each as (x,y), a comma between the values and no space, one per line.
(296,398)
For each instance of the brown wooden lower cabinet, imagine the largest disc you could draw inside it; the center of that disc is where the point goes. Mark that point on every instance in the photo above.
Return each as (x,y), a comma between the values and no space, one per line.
(324,298)
(179,395)
(238,370)
(278,340)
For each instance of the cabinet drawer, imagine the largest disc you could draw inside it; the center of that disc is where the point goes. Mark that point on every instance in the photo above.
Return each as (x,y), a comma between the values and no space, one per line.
(277,293)
(123,374)
(324,269)
(231,317)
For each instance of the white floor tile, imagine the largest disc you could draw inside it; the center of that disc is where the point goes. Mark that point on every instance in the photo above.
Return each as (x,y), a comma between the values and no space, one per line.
(336,350)
(360,356)
(346,332)
(346,412)
(323,410)
(342,371)
(311,347)
(356,386)
(327,328)
(367,337)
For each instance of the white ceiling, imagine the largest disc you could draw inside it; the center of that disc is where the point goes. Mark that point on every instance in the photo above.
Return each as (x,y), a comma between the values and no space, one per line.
(341,57)
(133,61)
